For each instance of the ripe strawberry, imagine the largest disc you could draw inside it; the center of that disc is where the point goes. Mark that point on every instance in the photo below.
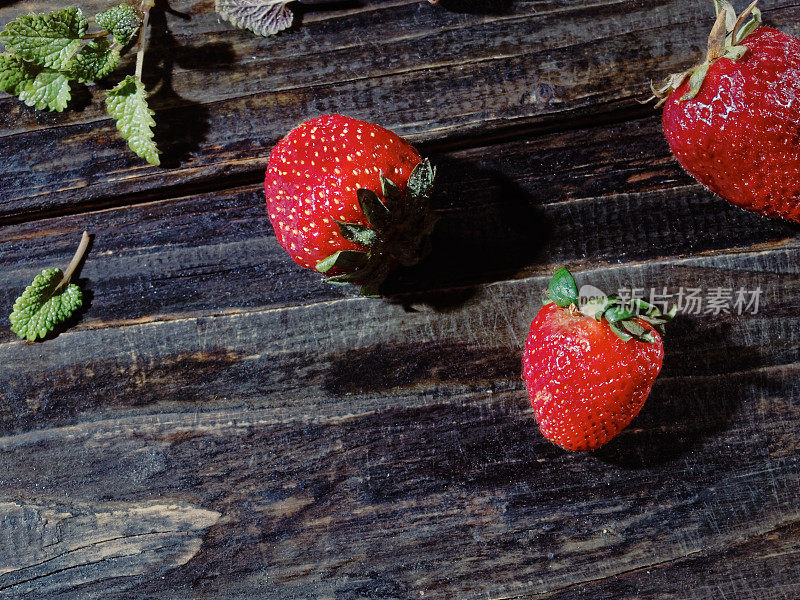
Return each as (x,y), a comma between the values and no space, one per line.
(588,371)
(349,199)
(733,121)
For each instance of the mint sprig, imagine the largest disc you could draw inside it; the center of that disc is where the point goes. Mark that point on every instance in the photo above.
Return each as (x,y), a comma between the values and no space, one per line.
(49,53)
(49,300)
(49,40)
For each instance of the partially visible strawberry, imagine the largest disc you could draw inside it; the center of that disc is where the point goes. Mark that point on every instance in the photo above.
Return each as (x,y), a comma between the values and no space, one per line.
(588,373)
(349,199)
(733,121)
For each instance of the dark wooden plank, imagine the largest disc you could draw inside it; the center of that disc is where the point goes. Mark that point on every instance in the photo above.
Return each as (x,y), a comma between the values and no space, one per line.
(226,96)
(512,209)
(457,498)
(345,352)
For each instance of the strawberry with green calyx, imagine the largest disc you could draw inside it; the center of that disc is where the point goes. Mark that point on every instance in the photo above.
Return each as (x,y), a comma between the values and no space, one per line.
(589,370)
(732,120)
(349,199)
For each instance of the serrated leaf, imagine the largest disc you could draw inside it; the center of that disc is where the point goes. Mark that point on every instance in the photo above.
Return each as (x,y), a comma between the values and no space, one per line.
(358,234)
(42,307)
(48,90)
(263,17)
(127,103)
(14,71)
(49,40)
(123,21)
(95,60)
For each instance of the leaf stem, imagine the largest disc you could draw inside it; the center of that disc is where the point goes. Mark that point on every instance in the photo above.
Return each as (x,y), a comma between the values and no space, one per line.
(145,6)
(92,36)
(73,264)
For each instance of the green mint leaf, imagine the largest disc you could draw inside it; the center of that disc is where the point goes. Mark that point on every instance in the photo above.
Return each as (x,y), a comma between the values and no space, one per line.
(123,21)
(95,60)
(262,17)
(14,71)
(42,306)
(127,103)
(48,90)
(49,40)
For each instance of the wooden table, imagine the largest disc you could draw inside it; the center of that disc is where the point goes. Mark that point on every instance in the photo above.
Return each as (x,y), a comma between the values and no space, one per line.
(220,424)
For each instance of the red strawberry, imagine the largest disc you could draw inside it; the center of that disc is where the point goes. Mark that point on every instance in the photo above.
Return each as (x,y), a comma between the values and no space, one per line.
(588,371)
(349,199)
(733,121)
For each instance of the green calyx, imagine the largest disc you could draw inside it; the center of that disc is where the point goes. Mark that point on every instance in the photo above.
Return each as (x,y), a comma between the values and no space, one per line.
(398,231)
(622,316)
(724,41)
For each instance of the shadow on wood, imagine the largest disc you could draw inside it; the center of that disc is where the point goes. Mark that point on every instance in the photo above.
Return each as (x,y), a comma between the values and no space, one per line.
(489,229)
(386,367)
(181,124)
(692,401)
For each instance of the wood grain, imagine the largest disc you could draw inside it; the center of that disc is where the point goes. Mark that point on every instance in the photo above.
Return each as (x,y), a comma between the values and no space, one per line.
(509,210)
(51,549)
(219,423)
(225,97)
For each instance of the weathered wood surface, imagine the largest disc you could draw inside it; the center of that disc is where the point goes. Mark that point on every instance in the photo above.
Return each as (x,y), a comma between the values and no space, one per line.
(220,424)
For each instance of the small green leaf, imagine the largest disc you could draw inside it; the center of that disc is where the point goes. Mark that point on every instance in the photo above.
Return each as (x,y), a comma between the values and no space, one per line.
(123,21)
(347,260)
(48,90)
(392,196)
(618,313)
(42,307)
(14,71)
(95,60)
(376,212)
(49,40)
(263,17)
(127,103)
(638,331)
(620,332)
(420,182)
(358,234)
(562,289)
(696,81)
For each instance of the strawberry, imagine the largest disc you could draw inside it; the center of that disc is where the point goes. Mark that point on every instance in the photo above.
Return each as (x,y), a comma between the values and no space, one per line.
(349,199)
(733,121)
(589,370)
